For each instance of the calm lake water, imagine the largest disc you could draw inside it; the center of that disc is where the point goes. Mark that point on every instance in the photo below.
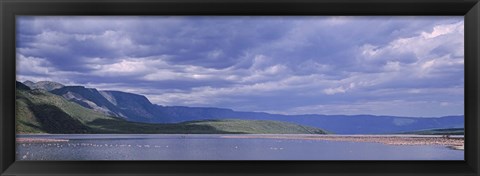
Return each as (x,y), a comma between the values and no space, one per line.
(213,147)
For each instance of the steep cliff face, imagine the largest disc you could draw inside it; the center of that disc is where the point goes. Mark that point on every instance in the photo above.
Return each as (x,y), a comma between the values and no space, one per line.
(132,107)
(89,98)
(135,107)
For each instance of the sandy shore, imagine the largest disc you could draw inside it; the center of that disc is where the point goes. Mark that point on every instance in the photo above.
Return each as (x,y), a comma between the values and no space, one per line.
(39,140)
(454,143)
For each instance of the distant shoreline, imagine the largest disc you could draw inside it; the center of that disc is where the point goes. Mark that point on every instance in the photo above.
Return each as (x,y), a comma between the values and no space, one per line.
(452,142)
(39,140)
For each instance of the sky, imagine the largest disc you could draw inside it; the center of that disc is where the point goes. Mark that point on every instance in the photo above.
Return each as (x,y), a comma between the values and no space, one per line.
(401,66)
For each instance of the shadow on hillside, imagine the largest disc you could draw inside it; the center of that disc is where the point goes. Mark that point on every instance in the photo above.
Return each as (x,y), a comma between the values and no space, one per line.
(53,120)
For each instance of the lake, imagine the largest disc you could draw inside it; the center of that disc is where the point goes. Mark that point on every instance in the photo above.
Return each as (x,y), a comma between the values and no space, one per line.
(214,147)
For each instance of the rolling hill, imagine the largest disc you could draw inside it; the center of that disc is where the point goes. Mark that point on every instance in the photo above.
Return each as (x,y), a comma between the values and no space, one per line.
(229,126)
(38,111)
(339,124)
(443,131)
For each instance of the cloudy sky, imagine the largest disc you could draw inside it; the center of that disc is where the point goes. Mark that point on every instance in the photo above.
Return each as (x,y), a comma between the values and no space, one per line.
(403,66)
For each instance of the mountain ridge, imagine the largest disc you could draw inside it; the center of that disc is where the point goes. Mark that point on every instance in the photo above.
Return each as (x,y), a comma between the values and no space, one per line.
(137,108)
(45,85)
(39,111)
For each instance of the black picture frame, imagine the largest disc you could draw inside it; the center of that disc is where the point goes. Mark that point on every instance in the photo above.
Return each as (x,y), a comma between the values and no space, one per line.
(470,9)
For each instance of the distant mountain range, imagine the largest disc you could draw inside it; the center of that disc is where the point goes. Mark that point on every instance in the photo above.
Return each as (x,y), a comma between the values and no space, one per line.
(137,108)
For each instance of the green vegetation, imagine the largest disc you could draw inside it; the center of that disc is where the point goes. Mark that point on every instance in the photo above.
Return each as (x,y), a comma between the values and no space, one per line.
(38,111)
(230,126)
(443,131)
(259,126)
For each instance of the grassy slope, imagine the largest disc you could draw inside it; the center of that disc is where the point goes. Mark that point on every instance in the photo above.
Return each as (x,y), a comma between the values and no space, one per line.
(39,111)
(445,131)
(259,126)
(207,127)
(42,112)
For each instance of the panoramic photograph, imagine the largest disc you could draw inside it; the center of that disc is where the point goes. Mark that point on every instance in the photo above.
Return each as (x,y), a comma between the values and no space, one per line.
(239,88)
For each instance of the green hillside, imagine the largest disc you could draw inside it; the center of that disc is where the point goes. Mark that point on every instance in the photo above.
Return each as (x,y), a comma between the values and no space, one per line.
(259,126)
(443,131)
(205,127)
(38,111)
